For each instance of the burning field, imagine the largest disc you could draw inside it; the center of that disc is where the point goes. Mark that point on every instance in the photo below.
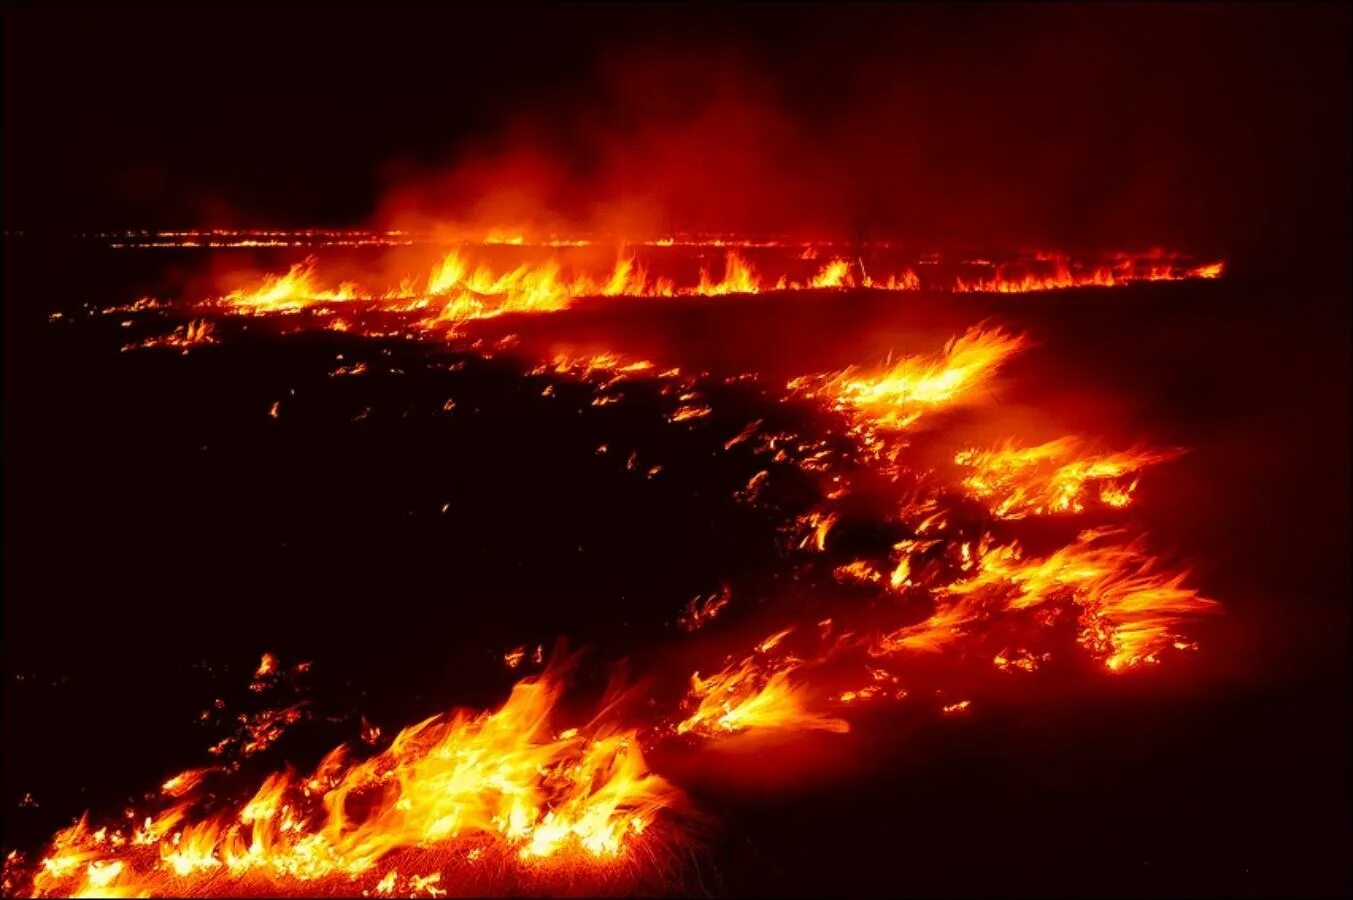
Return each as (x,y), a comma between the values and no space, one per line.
(757,549)
(674,452)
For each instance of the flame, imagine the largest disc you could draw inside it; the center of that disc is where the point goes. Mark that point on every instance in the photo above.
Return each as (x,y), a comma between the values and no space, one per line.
(194,333)
(894,396)
(503,775)
(833,275)
(457,289)
(1128,610)
(703,610)
(738,278)
(815,526)
(1055,477)
(1056,271)
(295,290)
(753,695)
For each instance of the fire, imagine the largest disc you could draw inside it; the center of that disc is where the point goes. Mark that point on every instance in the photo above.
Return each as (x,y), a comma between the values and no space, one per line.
(295,290)
(894,396)
(1056,271)
(504,781)
(703,610)
(815,526)
(459,289)
(754,694)
(832,275)
(1059,476)
(738,278)
(503,775)
(762,691)
(194,333)
(1128,609)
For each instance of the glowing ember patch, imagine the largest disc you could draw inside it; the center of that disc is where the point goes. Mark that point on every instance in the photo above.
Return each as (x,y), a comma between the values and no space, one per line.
(702,610)
(687,413)
(859,572)
(816,526)
(1019,660)
(195,333)
(742,435)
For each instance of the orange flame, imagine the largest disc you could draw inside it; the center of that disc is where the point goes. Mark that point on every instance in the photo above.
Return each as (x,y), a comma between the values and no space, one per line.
(1129,611)
(895,396)
(757,693)
(1055,477)
(457,289)
(502,775)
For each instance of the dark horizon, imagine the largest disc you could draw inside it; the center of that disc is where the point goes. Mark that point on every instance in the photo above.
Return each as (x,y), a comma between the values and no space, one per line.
(1220,130)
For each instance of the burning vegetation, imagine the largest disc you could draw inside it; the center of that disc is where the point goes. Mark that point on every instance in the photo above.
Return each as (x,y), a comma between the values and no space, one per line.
(456,802)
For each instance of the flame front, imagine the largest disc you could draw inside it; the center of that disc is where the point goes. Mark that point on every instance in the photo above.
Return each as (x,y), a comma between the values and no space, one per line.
(503,775)
(458,289)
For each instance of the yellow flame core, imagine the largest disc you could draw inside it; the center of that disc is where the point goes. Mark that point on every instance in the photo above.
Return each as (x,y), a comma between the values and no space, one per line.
(456,289)
(893,397)
(501,774)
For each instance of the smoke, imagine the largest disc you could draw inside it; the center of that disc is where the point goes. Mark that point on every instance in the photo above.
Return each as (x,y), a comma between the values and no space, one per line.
(682,142)
(1125,127)
(1214,130)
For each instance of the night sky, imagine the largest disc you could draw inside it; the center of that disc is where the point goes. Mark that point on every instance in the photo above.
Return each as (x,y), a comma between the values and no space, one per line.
(1210,128)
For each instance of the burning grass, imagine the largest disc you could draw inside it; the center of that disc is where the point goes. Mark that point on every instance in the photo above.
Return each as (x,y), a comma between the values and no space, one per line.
(505,799)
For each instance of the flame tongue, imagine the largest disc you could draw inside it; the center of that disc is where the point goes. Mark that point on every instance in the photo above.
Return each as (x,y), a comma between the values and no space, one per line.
(502,775)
